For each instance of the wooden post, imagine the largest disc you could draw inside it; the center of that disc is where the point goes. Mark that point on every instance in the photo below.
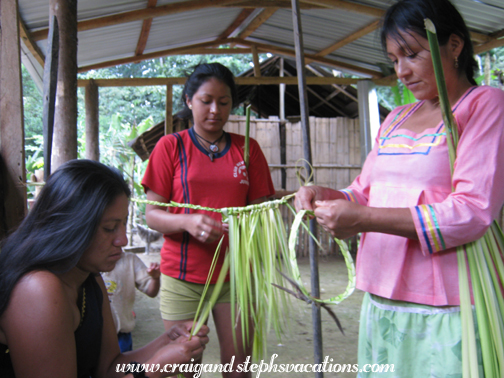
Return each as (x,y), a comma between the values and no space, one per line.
(305,126)
(283,154)
(257,65)
(169,110)
(92,121)
(65,120)
(282,91)
(281,125)
(369,118)
(11,121)
(49,92)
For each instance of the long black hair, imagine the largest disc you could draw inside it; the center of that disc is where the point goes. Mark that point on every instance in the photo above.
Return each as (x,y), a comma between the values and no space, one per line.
(62,223)
(409,15)
(202,73)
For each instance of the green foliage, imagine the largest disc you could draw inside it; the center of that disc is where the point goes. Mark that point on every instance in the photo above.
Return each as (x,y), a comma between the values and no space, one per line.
(138,103)
(32,103)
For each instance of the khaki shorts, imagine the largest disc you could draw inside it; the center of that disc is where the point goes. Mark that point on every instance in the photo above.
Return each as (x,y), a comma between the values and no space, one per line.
(180,299)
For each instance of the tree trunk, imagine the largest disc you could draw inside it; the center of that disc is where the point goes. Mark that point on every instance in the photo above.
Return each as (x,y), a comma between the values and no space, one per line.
(65,119)
(92,122)
(12,159)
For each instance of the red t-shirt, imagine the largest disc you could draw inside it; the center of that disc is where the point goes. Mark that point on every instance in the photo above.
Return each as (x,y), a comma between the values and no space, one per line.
(180,170)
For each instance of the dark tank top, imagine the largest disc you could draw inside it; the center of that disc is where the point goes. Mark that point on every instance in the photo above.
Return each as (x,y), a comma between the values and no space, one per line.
(87,336)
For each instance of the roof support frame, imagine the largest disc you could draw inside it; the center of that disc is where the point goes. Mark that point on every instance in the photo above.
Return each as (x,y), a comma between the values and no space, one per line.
(144,34)
(305,131)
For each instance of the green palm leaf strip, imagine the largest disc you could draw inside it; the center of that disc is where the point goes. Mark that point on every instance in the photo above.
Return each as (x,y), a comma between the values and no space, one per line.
(298,221)
(259,252)
(205,306)
(482,258)
(246,154)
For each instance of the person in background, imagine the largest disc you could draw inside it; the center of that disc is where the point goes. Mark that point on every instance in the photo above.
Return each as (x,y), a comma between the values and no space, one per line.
(55,317)
(204,166)
(129,273)
(411,211)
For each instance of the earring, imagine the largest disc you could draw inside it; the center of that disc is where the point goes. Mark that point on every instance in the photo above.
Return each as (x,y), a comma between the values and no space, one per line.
(456,62)
(190,107)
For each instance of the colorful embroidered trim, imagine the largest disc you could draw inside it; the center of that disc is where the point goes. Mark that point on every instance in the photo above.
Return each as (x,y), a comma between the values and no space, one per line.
(399,120)
(430,226)
(349,195)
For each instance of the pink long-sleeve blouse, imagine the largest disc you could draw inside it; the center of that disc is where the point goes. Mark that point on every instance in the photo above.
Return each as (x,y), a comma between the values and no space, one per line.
(411,170)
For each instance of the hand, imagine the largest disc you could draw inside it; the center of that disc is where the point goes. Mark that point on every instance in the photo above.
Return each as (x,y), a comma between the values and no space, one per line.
(341,218)
(306,196)
(205,228)
(184,329)
(154,270)
(181,352)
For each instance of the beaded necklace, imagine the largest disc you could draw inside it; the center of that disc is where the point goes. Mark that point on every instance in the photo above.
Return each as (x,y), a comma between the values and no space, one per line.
(213,147)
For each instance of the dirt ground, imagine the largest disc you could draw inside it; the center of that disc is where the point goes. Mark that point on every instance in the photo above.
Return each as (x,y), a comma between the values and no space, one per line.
(294,348)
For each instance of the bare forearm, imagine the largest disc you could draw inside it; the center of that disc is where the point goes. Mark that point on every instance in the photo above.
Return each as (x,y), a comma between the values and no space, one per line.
(165,222)
(153,288)
(394,221)
(344,219)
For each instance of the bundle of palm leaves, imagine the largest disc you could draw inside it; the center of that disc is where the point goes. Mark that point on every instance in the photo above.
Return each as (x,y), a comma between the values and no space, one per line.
(484,259)
(261,259)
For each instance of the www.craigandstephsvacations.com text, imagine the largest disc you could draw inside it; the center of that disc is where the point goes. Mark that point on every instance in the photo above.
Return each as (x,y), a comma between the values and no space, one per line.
(327,366)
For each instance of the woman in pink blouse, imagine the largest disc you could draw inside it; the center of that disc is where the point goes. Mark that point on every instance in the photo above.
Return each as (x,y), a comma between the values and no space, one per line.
(403,201)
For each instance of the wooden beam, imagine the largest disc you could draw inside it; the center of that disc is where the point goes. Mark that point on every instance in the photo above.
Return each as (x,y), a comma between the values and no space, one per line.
(323,100)
(312,4)
(498,34)
(144,34)
(140,14)
(158,54)
(479,49)
(349,39)
(11,121)
(336,86)
(285,4)
(479,38)
(327,98)
(257,65)
(250,80)
(134,82)
(236,23)
(258,21)
(30,43)
(348,6)
(309,58)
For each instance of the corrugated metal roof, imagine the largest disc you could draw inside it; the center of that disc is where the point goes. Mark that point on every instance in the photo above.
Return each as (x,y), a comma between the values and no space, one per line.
(321,28)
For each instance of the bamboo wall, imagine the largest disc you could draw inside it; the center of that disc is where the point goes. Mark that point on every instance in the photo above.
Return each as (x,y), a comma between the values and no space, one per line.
(335,144)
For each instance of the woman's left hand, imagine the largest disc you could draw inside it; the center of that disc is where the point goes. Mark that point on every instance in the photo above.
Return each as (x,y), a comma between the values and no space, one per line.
(341,218)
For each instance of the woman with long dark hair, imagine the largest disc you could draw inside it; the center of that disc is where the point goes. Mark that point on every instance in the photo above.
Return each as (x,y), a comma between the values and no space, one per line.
(412,212)
(55,317)
(204,166)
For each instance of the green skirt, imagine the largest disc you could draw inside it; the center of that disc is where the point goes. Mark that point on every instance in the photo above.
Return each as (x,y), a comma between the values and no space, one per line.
(420,341)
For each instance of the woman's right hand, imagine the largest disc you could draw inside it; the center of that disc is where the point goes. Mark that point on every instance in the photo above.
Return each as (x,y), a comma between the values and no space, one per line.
(182,351)
(204,228)
(306,196)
